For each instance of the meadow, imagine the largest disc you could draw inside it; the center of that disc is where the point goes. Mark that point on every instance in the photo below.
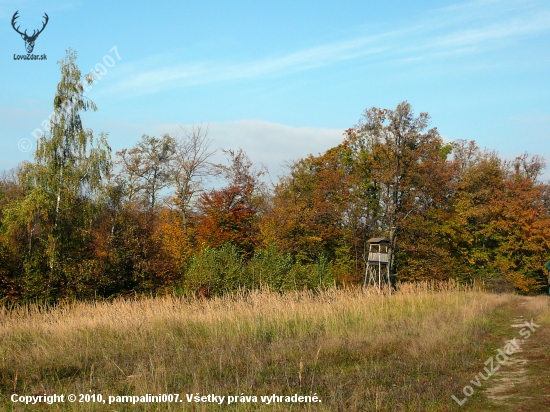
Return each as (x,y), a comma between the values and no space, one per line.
(351,349)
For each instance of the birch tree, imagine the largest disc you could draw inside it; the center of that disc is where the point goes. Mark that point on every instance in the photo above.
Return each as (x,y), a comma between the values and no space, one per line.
(64,179)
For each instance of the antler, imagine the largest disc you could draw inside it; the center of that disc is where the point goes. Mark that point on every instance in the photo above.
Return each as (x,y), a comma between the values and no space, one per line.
(15,16)
(34,34)
(29,40)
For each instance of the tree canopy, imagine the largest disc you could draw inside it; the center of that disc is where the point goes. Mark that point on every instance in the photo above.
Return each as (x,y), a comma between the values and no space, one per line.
(162,217)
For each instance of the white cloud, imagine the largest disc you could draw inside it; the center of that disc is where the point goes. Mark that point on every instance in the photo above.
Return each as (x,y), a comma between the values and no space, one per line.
(270,144)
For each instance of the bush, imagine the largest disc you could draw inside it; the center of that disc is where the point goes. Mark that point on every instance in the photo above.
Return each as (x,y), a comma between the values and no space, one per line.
(215,271)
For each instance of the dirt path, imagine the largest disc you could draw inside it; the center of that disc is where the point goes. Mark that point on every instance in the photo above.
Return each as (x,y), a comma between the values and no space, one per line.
(522,382)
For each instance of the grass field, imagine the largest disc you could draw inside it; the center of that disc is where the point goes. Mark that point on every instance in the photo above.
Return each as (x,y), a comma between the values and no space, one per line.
(355,350)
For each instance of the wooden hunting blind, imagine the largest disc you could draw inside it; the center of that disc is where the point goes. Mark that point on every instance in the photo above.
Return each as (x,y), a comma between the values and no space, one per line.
(377,269)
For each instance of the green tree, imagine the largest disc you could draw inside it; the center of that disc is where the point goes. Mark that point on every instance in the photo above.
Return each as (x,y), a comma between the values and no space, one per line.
(61,185)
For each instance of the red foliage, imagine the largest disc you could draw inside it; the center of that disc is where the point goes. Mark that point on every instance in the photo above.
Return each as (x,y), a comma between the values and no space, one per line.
(228,215)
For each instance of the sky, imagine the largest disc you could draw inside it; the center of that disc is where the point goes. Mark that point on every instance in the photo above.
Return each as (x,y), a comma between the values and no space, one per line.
(283,79)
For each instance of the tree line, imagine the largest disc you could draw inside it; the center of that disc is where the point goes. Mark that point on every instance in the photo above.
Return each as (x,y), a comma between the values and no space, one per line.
(81,222)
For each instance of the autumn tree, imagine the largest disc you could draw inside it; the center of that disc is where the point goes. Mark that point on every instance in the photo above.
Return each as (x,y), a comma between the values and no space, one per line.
(230,214)
(522,228)
(318,209)
(500,226)
(403,161)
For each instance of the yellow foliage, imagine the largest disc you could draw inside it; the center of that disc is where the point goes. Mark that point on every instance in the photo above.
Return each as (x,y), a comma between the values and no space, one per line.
(521,283)
(169,233)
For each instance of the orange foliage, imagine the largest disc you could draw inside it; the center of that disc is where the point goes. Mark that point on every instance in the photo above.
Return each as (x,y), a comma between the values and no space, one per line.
(228,216)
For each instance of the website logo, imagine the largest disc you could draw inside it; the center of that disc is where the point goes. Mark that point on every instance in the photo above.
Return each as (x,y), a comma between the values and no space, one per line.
(29,40)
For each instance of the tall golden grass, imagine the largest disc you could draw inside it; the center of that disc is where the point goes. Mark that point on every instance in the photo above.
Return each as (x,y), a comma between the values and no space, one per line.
(357,349)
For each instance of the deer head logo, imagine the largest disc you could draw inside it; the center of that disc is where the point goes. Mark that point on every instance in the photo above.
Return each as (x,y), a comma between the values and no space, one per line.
(29,40)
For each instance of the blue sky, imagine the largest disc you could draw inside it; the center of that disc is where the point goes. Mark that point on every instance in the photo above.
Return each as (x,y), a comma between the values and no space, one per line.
(283,79)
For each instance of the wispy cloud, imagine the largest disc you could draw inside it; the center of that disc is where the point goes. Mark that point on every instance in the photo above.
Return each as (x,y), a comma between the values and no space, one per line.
(512,28)
(267,143)
(465,28)
(208,72)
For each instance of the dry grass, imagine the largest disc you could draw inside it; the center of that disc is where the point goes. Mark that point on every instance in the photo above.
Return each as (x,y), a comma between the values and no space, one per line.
(356,349)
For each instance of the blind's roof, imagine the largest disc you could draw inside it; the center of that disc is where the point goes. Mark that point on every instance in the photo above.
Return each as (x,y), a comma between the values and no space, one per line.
(378,240)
